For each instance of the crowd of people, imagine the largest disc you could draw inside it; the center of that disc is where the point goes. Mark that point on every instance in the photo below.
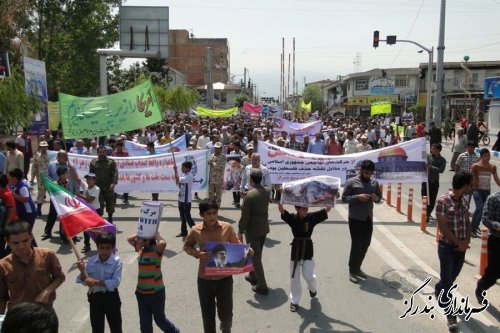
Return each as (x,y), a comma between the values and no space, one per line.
(21,167)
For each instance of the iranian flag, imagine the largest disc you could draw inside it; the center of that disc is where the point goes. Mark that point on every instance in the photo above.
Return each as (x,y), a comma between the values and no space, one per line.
(74,213)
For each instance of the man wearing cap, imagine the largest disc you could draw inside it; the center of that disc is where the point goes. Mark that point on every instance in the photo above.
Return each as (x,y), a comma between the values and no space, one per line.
(79,148)
(254,224)
(363,146)
(40,165)
(216,176)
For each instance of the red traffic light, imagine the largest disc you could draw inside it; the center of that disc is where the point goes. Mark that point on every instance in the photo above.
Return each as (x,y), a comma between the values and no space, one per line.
(375,38)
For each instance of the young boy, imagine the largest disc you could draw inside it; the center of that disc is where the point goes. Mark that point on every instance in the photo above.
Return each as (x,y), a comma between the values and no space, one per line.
(102,275)
(91,195)
(302,225)
(150,291)
(185,183)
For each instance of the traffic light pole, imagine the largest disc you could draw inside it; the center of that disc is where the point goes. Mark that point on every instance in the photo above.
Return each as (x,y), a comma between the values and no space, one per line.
(428,105)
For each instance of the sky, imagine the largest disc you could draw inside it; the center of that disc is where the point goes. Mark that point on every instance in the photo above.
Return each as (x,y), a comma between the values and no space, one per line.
(330,34)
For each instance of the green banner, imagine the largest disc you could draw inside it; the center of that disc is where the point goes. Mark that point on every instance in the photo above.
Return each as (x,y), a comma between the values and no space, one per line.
(204,112)
(381,108)
(86,117)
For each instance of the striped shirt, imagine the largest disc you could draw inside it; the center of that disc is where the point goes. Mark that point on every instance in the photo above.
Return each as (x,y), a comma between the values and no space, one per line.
(455,210)
(466,160)
(150,279)
(491,214)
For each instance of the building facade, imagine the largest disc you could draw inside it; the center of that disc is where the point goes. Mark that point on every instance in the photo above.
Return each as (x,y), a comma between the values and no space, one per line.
(188,56)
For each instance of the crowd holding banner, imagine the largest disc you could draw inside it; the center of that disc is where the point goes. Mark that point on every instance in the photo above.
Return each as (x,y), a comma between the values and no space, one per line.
(153,173)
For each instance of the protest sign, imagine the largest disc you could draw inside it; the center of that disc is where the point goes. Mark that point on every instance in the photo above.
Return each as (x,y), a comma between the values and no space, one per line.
(151,174)
(149,219)
(233,172)
(204,112)
(137,149)
(275,111)
(318,191)
(87,117)
(227,259)
(35,78)
(401,163)
(300,129)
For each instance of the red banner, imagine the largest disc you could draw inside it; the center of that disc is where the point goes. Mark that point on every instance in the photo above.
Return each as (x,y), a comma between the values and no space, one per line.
(250,108)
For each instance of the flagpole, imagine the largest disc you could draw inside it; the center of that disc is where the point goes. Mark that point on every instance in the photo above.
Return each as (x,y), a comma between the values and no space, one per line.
(84,273)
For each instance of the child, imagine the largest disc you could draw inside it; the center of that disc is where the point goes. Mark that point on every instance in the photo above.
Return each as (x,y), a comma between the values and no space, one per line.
(102,275)
(185,183)
(302,225)
(91,195)
(150,291)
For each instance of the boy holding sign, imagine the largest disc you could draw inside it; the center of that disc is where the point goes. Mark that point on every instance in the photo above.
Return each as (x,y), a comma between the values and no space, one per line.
(302,225)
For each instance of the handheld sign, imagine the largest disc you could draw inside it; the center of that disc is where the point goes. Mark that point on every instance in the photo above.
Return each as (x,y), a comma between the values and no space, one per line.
(149,219)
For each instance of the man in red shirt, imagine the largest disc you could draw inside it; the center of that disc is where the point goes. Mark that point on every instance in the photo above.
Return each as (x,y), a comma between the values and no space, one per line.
(420,129)
(332,146)
(463,124)
(9,204)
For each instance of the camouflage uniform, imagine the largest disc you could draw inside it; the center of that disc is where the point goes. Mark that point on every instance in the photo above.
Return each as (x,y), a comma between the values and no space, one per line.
(40,165)
(216,178)
(106,173)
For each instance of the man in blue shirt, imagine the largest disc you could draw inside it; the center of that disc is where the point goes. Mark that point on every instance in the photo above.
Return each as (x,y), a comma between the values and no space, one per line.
(103,275)
(317,146)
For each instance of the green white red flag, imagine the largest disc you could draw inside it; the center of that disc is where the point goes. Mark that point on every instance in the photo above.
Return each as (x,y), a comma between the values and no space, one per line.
(74,213)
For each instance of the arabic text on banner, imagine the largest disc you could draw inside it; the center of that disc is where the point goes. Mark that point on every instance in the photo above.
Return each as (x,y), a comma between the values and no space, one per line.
(204,112)
(300,129)
(153,173)
(86,117)
(401,163)
(318,191)
(35,79)
(137,149)
(227,259)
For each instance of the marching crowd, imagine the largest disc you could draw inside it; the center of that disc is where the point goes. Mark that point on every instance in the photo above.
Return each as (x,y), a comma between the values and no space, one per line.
(235,136)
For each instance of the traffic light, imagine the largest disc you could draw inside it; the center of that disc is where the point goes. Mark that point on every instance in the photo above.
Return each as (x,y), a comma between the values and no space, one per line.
(421,74)
(375,38)
(4,65)
(391,40)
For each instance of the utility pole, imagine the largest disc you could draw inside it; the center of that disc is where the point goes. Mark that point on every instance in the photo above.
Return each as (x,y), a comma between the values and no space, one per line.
(294,91)
(210,86)
(438,105)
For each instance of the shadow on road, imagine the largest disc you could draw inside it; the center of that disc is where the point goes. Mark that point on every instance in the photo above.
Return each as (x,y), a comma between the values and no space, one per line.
(275,299)
(378,287)
(323,322)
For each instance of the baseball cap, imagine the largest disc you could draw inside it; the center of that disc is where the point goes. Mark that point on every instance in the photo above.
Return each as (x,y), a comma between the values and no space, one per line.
(90,175)
(43,144)
(218,145)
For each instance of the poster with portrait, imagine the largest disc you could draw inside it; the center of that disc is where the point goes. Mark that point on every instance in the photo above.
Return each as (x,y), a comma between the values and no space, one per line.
(233,173)
(227,259)
(318,191)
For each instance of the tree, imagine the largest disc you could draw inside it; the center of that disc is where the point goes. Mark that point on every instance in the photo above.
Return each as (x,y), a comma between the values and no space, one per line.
(313,93)
(181,98)
(240,99)
(16,107)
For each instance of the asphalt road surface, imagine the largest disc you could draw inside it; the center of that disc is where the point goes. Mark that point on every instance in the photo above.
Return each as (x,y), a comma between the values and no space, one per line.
(399,260)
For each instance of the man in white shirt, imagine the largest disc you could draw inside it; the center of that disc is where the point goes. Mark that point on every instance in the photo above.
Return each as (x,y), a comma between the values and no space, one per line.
(203,139)
(245,183)
(185,183)
(350,143)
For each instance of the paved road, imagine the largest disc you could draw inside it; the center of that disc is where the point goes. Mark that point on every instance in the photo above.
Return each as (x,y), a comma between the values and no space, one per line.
(399,254)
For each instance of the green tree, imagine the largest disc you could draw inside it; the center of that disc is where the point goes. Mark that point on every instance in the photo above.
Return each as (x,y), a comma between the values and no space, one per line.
(181,98)
(313,93)
(16,107)
(241,98)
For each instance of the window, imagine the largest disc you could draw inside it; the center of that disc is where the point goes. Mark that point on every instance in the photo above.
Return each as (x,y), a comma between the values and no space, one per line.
(401,82)
(362,84)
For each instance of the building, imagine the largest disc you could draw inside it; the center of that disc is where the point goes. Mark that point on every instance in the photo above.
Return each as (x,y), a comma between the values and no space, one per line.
(188,56)
(224,95)
(461,95)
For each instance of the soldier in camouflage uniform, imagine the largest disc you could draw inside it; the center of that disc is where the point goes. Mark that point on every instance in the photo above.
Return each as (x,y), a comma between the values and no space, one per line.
(216,177)
(106,174)
(40,165)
